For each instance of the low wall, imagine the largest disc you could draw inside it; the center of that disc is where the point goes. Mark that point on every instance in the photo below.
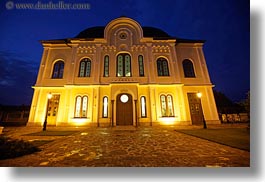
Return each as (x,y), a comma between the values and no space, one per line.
(240,117)
(17,118)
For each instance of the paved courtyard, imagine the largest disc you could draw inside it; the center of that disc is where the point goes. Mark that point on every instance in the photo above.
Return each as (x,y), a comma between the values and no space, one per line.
(127,147)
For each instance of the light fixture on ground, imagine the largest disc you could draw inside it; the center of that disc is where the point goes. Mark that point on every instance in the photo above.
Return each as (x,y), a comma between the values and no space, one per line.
(199,95)
(49,96)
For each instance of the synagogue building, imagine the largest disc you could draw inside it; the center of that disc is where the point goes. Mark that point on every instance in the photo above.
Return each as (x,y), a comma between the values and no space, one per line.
(123,74)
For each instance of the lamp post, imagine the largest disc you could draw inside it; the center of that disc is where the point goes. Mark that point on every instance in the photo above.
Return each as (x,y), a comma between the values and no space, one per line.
(199,95)
(49,96)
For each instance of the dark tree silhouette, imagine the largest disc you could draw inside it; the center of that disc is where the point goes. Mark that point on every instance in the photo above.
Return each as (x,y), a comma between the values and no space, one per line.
(225,105)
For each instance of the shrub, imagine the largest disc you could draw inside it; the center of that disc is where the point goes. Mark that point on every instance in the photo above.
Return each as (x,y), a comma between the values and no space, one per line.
(10,148)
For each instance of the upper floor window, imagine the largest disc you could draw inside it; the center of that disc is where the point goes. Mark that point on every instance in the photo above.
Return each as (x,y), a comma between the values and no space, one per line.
(85,68)
(106,66)
(141,65)
(166,102)
(188,69)
(124,65)
(58,69)
(81,106)
(162,67)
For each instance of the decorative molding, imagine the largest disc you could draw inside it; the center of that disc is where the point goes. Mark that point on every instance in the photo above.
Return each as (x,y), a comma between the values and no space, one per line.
(86,49)
(109,48)
(124,80)
(160,49)
(138,48)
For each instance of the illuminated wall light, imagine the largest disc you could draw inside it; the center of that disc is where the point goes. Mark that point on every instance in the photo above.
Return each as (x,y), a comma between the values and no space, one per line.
(168,120)
(80,121)
(49,95)
(199,94)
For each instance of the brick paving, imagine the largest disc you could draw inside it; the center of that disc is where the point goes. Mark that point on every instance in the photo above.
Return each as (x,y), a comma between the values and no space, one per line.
(126,147)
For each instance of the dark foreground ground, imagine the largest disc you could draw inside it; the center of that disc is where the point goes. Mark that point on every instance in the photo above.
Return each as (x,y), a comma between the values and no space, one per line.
(124,147)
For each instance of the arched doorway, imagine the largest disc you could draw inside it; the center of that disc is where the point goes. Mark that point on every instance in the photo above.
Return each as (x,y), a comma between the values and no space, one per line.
(124,110)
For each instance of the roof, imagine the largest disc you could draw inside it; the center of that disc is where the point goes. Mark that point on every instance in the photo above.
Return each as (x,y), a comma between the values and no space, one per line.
(93,32)
(98,32)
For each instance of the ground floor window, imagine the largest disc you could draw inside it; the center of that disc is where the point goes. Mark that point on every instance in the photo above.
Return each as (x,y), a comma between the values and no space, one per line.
(105,107)
(81,106)
(143,107)
(166,106)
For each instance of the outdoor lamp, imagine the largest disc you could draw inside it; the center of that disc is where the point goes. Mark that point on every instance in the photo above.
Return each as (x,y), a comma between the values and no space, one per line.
(199,95)
(49,96)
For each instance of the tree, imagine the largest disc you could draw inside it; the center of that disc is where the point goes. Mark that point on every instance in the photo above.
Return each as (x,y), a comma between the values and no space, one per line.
(246,104)
(225,105)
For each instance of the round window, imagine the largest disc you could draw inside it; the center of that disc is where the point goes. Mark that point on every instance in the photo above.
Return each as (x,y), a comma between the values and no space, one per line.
(124,98)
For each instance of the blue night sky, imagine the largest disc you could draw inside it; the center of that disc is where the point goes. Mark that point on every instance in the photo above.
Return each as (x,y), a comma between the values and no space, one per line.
(224,24)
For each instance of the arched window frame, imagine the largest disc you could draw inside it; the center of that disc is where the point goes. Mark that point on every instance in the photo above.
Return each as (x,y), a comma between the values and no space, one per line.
(188,68)
(84,68)
(167,105)
(141,65)
(143,107)
(58,70)
(84,106)
(123,65)
(106,66)
(81,106)
(162,67)
(105,112)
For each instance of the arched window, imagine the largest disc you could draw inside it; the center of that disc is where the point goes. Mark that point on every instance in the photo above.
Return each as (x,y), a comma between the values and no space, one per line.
(167,109)
(143,107)
(58,69)
(85,68)
(141,65)
(188,69)
(162,67)
(105,107)
(81,107)
(106,66)
(124,65)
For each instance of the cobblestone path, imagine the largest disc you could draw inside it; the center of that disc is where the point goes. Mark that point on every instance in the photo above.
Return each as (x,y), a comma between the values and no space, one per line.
(141,147)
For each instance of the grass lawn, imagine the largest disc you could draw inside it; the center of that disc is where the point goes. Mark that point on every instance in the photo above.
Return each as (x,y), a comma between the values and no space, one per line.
(52,133)
(233,137)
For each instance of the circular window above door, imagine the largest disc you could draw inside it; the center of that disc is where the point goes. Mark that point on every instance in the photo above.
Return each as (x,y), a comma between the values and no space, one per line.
(124,98)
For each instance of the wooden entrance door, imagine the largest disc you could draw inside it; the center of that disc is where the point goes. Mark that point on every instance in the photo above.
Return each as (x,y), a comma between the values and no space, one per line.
(195,109)
(53,110)
(124,113)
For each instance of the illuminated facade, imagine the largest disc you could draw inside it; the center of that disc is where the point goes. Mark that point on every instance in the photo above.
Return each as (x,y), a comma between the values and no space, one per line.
(123,74)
